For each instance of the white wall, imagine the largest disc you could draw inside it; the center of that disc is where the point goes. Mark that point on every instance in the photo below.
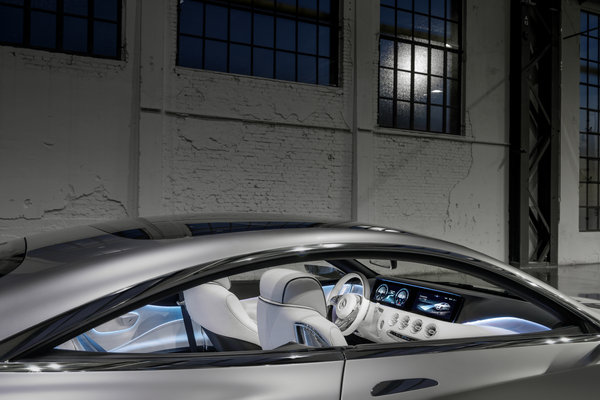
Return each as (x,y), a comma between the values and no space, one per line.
(145,136)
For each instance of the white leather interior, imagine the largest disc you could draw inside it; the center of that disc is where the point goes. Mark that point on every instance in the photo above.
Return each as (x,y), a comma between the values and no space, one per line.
(287,298)
(214,307)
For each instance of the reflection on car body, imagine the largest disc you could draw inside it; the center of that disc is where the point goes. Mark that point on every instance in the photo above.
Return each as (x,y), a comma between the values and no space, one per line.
(260,306)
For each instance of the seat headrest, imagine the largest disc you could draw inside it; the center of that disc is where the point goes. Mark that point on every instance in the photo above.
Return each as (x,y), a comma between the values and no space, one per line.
(286,286)
(225,282)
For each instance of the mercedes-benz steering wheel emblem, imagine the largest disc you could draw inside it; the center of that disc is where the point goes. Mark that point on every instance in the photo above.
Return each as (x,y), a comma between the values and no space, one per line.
(343,303)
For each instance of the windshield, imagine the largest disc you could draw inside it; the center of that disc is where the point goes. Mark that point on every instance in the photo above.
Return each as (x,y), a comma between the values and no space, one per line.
(12,254)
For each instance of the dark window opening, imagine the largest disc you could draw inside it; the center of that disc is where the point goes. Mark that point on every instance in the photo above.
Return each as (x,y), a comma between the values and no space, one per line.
(84,27)
(420,55)
(294,40)
(589,132)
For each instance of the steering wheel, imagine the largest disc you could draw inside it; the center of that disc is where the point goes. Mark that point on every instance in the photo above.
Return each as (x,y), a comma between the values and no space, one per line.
(349,308)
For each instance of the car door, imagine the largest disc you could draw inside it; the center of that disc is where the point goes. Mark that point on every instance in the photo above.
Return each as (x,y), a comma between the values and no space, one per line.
(547,368)
(314,374)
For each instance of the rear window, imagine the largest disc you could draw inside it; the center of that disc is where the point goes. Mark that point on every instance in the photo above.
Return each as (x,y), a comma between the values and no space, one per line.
(12,254)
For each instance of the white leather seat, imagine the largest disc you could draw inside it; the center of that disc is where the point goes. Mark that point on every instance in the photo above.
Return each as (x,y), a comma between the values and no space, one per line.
(291,308)
(220,312)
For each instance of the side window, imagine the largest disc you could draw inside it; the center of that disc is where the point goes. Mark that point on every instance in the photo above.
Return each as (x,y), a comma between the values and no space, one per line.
(222,317)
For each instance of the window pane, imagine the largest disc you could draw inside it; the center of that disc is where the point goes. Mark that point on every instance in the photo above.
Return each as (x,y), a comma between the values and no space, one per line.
(263,62)
(324,8)
(324,71)
(105,38)
(307,69)
(583,121)
(437,31)
(437,90)
(386,82)
(43,29)
(191,18)
(593,49)
(421,59)
(386,17)
(592,219)
(386,53)
(403,115)
(286,5)
(404,85)
(240,29)
(437,62)
(404,56)
(583,171)
(452,66)
(308,7)
(286,34)
(11,24)
(592,146)
(421,28)
(77,7)
(453,9)
(452,121)
(436,119)
(437,8)
(452,92)
(420,93)
(583,71)
(593,73)
(405,4)
(239,59)
(422,6)
(49,5)
(307,38)
(216,22)
(583,145)
(106,9)
(593,122)
(405,24)
(190,52)
(583,47)
(452,34)
(593,97)
(75,34)
(420,117)
(215,56)
(593,23)
(583,96)
(263,30)
(582,219)
(386,110)
(582,194)
(324,40)
(285,66)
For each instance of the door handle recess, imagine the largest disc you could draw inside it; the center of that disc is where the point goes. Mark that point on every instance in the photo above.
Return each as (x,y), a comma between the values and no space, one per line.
(401,385)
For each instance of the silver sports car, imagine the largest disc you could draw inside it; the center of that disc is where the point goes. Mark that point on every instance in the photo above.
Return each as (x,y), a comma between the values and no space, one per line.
(263,307)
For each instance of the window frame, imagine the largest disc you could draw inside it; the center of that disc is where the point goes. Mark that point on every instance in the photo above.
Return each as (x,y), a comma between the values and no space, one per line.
(586,155)
(60,15)
(334,29)
(412,41)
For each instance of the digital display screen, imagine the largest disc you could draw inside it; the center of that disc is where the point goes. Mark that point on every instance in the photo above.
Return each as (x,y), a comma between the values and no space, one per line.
(428,302)
(436,305)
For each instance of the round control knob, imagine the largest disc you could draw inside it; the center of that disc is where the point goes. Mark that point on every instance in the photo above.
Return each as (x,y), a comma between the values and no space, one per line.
(417,325)
(430,330)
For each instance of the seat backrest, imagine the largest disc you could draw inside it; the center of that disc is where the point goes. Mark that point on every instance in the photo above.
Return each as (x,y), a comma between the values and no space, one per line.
(291,308)
(219,311)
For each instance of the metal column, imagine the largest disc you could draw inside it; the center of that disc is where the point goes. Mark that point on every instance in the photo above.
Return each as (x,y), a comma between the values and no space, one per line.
(534,136)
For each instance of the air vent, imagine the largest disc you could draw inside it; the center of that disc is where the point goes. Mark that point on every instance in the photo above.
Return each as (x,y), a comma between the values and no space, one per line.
(417,325)
(430,330)
(404,322)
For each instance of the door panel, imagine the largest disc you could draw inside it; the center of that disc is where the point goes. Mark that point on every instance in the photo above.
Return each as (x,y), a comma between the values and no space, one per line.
(318,380)
(413,372)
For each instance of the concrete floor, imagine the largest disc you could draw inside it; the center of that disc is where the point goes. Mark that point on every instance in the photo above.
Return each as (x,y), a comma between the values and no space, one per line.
(580,280)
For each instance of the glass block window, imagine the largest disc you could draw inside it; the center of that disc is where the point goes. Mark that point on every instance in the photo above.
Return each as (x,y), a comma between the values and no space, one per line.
(420,65)
(589,133)
(86,27)
(293,40)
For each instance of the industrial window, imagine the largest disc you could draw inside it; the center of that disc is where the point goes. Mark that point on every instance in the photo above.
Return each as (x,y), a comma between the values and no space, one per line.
(420,65)
(589,155)
(86,27)
(293,40)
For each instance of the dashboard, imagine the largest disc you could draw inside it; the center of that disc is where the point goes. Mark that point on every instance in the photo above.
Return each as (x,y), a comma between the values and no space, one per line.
(429,302)
(403,309)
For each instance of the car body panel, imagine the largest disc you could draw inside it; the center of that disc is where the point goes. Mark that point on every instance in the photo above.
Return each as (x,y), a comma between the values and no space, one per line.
(458,369)
(290,381)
